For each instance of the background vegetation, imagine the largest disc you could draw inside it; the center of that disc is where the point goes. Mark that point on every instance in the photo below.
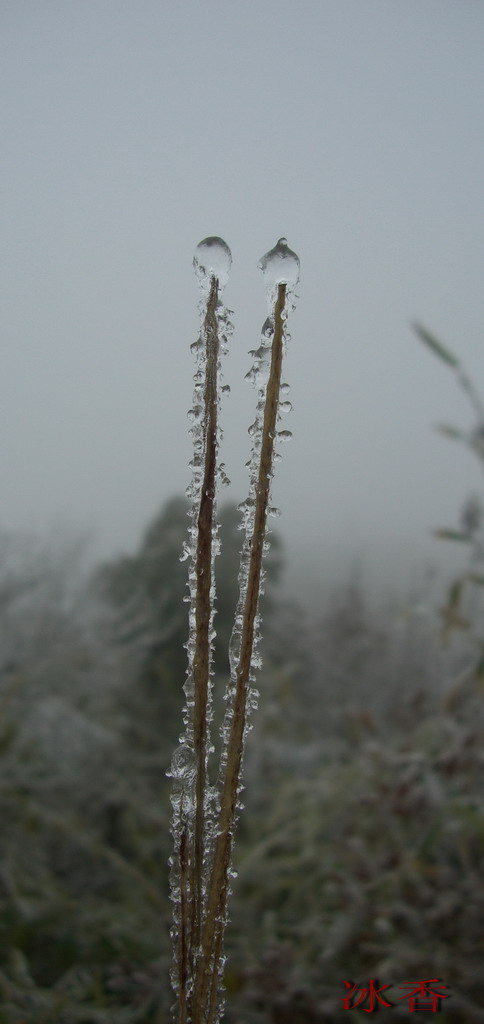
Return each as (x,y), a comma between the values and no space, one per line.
(361,850)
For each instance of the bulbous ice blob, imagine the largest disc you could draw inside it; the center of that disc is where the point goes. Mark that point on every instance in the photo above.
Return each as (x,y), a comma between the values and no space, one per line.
(280,266)
(212,259)
(263,366)
(183,765)
(267,332)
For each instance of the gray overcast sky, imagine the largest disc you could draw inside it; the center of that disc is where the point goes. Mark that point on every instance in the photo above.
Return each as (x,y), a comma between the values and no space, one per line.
(131,130)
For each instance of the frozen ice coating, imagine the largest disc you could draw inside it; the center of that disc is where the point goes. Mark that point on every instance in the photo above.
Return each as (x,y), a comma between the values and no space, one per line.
(280,266)
(183,763)
(212,259)
(267,331)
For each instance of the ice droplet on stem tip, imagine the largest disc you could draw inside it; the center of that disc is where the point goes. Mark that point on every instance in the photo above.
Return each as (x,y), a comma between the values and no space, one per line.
(212,259)
(280,266)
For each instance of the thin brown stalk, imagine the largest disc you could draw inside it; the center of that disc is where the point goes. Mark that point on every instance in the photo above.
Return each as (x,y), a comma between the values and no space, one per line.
(203,569)
(214,988)
(204,1003)
(183,960)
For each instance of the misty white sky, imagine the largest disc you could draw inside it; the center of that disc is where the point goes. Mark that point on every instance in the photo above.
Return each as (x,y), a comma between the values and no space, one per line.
(131,130)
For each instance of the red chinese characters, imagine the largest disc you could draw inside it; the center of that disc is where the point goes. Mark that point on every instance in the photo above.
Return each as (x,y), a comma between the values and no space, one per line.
(372,993)
(421,995)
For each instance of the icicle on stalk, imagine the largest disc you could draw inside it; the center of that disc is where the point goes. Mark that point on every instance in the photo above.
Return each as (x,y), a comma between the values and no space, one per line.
(190,795)
(281,273)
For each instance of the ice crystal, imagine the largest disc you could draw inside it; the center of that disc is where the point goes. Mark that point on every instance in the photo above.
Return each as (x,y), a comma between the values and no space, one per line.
(280,266)
(212,259)
(183,764)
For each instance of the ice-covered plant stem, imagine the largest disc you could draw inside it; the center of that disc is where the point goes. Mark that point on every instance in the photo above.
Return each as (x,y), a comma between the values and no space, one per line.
(281,269)
(204,594)
(203,821)
(189,765)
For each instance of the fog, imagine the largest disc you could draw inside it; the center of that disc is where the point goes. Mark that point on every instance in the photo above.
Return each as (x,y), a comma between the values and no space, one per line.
(130,132)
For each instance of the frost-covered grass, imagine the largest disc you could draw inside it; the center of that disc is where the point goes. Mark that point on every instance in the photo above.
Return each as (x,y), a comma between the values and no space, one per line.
(366,865)
(360,853)
(464,602)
